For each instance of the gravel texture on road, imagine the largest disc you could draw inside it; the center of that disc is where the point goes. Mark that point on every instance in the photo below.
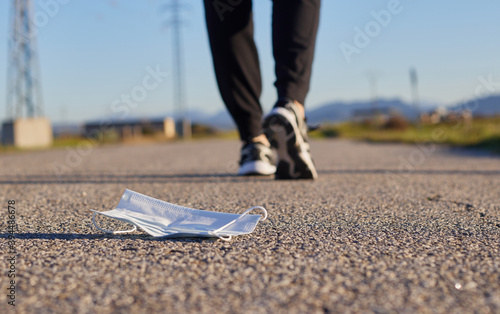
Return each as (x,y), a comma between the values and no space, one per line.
(386,228)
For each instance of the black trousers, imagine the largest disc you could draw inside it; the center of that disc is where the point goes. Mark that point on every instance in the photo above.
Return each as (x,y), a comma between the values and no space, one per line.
(236,62)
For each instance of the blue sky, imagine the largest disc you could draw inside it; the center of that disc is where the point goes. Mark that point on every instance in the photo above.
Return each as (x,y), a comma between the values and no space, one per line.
(92,52)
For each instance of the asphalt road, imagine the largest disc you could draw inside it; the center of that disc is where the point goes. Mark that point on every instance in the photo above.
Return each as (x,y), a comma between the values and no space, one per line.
(386,228)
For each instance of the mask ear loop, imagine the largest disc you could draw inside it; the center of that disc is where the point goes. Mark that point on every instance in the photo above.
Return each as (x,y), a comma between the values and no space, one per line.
(112,231)
(262,209)
(228,238)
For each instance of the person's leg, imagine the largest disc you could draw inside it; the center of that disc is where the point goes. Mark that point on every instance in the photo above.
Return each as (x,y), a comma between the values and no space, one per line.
(236,62)
(295,25)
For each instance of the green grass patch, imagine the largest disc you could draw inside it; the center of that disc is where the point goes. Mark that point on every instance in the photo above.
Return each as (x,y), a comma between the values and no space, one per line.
(480,132)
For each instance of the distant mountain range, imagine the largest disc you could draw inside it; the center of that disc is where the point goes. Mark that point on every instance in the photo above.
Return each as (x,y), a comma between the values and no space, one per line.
(481,107)
(335,112)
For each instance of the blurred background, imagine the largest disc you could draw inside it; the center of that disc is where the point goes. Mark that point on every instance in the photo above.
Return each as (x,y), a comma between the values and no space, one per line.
(381,67)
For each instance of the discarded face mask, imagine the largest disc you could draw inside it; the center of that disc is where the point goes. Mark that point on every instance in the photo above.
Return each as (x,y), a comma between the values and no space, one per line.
(163,219)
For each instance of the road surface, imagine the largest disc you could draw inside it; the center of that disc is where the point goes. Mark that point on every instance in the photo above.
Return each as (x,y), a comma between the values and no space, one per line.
(386,228)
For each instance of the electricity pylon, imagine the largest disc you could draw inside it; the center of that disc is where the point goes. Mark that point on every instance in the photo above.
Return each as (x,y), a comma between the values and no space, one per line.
(175,22)
(24,97)
(414,92)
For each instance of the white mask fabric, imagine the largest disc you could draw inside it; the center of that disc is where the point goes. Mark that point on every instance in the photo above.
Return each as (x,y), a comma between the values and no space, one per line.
(162,219)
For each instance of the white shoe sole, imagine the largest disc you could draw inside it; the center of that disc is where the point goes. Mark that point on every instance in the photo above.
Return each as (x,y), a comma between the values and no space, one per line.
(257,167)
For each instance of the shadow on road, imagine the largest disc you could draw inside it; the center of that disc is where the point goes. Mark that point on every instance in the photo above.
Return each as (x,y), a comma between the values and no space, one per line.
(82,236)
(127,178)
(211,177)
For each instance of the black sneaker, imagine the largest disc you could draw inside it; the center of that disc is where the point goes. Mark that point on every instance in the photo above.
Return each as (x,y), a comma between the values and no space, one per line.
(288,134)
(256,159)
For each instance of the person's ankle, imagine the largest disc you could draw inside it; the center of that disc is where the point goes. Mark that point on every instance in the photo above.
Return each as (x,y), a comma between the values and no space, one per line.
(301,108)
(261,139)
(284,100)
